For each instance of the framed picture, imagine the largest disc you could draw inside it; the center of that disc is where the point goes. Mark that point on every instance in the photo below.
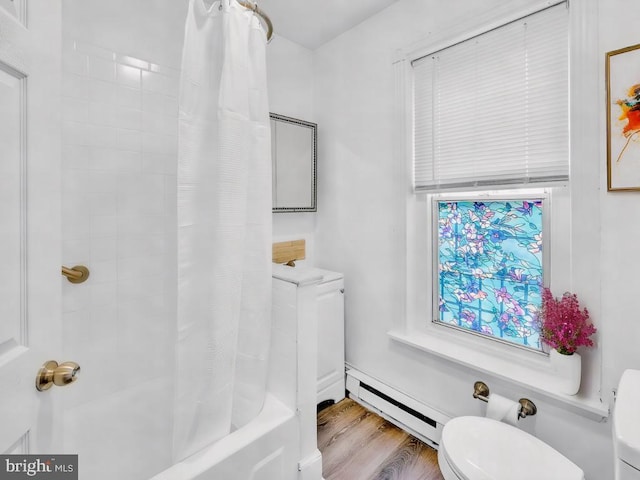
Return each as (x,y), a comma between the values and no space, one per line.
(623,119)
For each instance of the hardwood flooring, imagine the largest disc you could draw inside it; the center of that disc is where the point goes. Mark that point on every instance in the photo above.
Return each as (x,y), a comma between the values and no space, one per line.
(357,444)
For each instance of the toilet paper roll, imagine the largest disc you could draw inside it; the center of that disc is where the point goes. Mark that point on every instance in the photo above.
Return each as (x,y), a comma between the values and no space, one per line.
(503,409)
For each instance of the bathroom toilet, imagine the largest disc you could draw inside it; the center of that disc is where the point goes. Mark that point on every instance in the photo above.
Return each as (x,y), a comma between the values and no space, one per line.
(479,448)
(626,427)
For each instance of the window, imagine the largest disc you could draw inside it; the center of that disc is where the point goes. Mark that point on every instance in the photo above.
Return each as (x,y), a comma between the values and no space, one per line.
(490,267)
(491,112)
(571,212)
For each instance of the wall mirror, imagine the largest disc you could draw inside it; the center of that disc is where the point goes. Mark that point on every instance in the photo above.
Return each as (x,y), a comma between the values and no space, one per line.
(294,157)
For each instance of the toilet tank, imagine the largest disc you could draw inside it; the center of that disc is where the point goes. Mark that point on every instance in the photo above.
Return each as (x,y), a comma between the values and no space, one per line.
(626,427)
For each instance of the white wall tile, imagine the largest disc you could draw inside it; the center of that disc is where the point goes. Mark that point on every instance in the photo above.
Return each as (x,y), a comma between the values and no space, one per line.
(101,91)
(75,296)
(129,140)
(159,124)
(142,266)
(101,113)
(75,156)
(103,225)
(128,97)
(73,322)
(153,102)
(159,163)
(130,224)
(104,249)
(129,118)
(119,216)
(129,76)
(75,181)
(143,202)
(103,294)
(128,161)
(112,159)
(75,133)
(171,106)
(76,215)
(102,69)
(102,203)
(156,82)
(171,195)
(76,63)
(103,158)
(106,271)
(75,86)
(133,62)
(75,251)
(90,339)
(102,181)
(75,109)
(154,143)
(92,50)
(102,136)
(153,162)
(135,289)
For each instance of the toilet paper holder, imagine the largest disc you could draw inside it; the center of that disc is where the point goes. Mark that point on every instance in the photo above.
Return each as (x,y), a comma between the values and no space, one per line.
(527,407)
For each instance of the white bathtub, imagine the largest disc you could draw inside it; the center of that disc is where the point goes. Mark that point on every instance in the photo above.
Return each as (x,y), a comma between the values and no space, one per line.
(280,443)
(264,449)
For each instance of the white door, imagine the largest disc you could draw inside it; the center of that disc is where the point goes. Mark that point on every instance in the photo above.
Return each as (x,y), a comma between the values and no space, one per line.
(29,221)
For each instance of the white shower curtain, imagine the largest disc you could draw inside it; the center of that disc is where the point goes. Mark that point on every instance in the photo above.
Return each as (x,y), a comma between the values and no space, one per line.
(224,225)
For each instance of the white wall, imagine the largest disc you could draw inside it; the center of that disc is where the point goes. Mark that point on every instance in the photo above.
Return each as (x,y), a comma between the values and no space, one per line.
(290,81)
(361,211)
(620,226)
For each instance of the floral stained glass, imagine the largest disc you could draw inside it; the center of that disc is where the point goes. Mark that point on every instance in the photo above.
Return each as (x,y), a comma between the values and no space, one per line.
(490,268)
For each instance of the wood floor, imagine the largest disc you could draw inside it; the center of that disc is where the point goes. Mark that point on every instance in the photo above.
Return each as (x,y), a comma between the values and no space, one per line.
(357,444)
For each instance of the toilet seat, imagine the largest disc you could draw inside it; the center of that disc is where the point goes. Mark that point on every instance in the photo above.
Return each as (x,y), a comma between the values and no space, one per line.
(479,448)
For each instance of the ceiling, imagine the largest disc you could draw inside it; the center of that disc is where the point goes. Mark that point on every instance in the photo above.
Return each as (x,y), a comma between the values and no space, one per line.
(311,23)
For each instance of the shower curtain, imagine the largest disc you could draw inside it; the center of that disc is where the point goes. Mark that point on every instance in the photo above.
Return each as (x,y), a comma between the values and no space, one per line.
(224,225)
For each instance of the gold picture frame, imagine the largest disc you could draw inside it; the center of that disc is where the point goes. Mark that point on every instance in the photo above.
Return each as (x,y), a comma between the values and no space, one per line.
(623,119)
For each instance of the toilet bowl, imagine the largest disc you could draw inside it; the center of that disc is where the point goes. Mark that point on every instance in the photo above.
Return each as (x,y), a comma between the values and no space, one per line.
(626,427)
(479,448)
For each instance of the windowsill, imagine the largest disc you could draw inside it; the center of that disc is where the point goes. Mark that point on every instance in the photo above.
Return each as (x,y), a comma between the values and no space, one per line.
(537,371)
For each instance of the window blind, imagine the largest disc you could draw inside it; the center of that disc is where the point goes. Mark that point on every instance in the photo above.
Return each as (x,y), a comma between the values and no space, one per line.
(494,110)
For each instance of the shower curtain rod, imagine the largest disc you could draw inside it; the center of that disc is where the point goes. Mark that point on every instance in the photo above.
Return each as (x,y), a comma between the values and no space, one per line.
(261,14)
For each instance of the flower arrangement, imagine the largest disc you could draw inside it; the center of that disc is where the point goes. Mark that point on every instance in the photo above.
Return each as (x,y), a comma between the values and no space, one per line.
(563,325)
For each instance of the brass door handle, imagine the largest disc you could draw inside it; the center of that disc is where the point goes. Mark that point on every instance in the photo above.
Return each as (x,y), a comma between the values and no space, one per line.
(53,374)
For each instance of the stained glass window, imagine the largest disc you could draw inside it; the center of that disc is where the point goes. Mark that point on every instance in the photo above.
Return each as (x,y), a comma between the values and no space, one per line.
(490,267)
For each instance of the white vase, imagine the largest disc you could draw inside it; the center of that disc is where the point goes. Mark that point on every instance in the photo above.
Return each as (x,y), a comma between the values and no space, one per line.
(568,370)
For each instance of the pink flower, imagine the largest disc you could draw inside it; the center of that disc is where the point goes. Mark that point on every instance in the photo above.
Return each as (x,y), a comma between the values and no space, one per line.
(563,326)
(470,231)
(462,295)
(536,247)
(502,295)
(486,329)
(479,295)
(515,309)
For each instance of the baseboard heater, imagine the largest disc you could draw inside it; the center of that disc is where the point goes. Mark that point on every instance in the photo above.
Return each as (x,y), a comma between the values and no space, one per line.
(418,419)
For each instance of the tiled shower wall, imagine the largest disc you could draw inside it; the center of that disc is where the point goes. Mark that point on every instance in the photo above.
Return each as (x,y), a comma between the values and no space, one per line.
(119,219)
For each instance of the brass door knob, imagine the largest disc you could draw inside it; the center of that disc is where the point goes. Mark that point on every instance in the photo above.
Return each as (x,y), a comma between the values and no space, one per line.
(53,374)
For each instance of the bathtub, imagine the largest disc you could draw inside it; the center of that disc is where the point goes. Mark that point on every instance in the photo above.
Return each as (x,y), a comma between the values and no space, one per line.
(264,449)
(280,443)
